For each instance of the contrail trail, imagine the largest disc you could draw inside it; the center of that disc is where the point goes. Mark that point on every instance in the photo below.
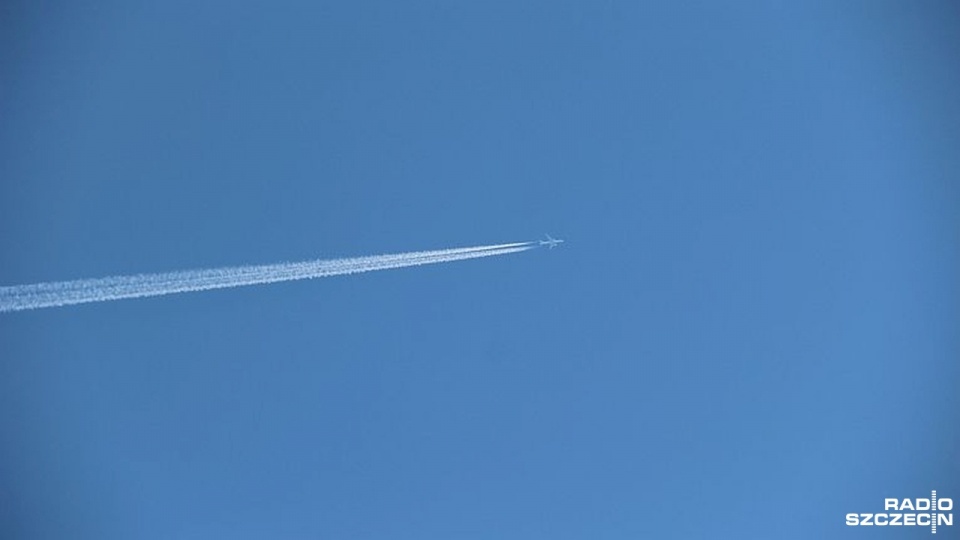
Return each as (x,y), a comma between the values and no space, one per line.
(63,293)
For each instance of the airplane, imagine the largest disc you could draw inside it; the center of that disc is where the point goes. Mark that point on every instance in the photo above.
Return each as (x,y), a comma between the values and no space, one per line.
(551,242)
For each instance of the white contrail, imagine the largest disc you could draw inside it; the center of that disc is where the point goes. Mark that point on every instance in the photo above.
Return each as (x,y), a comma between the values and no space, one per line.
(63,293)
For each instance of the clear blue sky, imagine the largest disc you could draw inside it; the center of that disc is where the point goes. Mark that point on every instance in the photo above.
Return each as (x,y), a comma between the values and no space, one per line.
(751,331)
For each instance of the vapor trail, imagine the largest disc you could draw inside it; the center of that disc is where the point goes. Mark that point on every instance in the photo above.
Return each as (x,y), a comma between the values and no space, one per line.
(63,293)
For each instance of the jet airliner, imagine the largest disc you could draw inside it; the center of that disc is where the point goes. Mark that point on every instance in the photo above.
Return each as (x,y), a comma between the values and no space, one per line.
(550,242)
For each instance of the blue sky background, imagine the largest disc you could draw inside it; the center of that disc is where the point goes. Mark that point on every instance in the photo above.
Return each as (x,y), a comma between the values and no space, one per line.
(751,331)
